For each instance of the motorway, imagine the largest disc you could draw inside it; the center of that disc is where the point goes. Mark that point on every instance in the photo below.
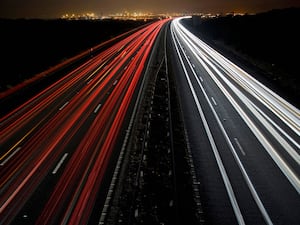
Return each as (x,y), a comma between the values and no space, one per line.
(244,138)
(56,147)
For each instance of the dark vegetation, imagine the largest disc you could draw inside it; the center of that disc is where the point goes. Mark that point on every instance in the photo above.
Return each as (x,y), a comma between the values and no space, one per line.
(29,47)
(265,44)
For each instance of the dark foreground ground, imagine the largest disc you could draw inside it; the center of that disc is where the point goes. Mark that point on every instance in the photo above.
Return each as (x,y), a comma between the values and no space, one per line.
(266,45)
(31,46)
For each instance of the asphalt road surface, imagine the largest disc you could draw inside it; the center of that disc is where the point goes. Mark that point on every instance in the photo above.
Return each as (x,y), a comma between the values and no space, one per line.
(244,138)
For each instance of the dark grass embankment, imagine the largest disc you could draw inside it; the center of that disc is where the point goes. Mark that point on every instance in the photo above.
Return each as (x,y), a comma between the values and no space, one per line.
(31,46)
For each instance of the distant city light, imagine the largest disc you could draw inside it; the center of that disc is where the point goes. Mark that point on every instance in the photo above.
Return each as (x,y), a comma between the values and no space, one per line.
(139,15)
(84,16)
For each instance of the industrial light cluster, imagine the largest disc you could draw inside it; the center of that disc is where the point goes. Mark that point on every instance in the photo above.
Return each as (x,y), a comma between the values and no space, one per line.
(120,16)
(84,16)
(136,15)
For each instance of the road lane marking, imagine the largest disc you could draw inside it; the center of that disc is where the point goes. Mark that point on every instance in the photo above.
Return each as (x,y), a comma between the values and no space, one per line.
(89,81)
(222,170)
(97,108)
(214,101)
(239,146)
(9,157)
(201,79)
(60,163)
(64,105)
(116,81)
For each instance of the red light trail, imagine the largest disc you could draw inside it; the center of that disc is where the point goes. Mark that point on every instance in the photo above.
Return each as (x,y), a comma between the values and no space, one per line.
(78,118)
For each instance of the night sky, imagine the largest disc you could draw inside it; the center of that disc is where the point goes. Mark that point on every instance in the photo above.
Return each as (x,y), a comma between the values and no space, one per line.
(56,8)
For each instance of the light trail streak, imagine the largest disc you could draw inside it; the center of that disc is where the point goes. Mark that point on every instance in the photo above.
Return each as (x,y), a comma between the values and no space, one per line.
(49,133)
(212,142)
(274,123)
(281,162)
